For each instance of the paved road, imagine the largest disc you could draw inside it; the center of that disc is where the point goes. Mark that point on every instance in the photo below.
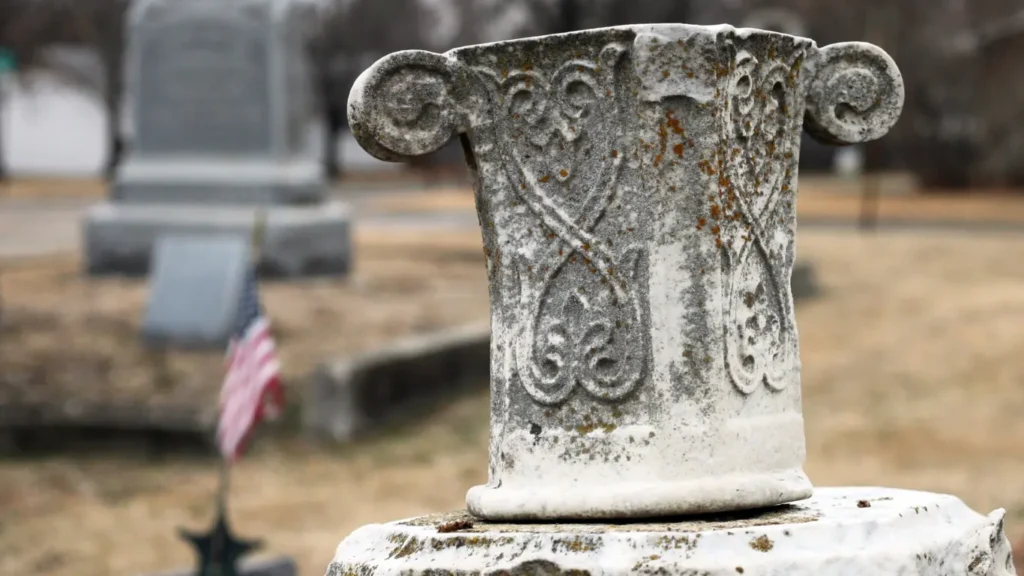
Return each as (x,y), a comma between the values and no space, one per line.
(37,228)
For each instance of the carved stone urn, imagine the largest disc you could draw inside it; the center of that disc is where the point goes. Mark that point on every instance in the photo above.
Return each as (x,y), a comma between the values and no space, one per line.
(636,189)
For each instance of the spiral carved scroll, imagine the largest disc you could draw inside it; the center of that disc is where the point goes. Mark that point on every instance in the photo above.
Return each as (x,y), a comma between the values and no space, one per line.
(856,94)
(408,104)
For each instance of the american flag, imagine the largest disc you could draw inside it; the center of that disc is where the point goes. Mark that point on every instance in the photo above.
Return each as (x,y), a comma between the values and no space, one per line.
(252,387)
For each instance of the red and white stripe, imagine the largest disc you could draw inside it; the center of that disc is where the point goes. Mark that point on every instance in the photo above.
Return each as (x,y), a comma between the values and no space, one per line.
(252,388)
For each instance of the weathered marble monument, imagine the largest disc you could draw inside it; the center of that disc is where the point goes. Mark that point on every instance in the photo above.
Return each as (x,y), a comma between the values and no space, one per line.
(636,189)
(222,107)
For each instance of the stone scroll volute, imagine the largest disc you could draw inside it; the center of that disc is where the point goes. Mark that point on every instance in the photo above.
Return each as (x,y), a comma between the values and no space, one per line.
(405,105)
(855,95)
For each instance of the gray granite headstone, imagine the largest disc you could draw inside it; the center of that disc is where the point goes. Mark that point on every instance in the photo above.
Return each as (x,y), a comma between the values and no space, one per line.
(221,107)
(195,288)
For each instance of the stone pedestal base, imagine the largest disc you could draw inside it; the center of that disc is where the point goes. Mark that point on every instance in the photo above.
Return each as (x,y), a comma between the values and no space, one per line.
(298,240)
(839,532)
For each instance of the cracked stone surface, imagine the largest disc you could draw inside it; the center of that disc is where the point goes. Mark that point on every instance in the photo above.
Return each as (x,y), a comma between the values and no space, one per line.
(840,531)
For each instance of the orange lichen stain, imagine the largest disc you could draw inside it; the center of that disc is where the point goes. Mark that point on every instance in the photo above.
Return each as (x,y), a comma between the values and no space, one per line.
(718,242)
(678,149)
(771,53)
(785,187)
(516,116)
(580,69)
(615,153)
(663,142)
(716,212)
(564,173)
(608,92)
(527,67)
(586,246)
(611,272)
(561,252)
(716,230)
(523,185)
(701,223)
(788,155)
(545,178)
(665,73)
(552,236)
(504,73)
(629,229)
(675,124)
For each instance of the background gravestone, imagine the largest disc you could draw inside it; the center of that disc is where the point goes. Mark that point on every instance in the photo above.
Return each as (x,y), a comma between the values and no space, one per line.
(196,285)
(220,94)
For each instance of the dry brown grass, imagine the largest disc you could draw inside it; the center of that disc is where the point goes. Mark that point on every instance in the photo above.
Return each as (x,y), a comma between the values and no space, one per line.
(45,188)
(67,337)
(912,378)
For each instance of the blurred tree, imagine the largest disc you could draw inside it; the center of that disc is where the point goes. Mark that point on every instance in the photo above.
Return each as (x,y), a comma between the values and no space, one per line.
(350,35)
(30,28)
(997,43)
(935,137)
(101,25)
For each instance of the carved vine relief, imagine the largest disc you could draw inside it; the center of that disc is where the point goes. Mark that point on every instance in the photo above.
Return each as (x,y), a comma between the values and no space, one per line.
(758,160)
(554,138)
(580,310)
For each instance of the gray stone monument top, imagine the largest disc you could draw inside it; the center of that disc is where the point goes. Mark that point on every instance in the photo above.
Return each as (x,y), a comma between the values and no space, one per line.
(221,103)
(636,189)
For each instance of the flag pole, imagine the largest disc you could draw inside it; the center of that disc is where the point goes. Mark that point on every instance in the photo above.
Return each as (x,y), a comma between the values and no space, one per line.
(224,478)
(259,229)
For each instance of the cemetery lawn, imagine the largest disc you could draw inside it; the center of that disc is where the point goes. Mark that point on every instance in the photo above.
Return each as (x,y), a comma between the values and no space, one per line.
(913,363)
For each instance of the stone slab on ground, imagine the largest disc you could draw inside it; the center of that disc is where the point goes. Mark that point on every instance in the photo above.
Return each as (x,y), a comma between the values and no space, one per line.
(195,288)
(276,566)
(349,398)
(840,531)
(297,240)
(29,427)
